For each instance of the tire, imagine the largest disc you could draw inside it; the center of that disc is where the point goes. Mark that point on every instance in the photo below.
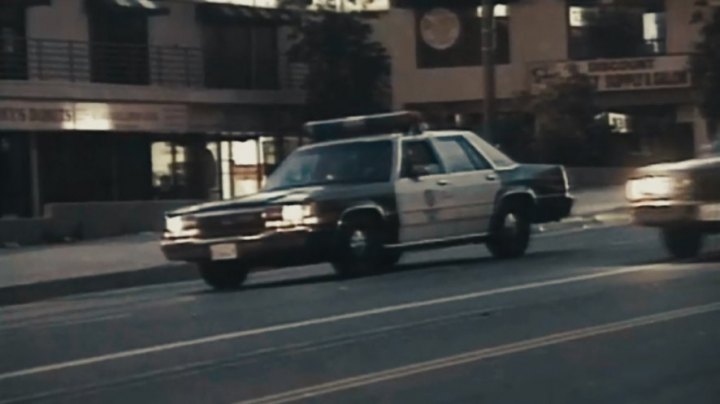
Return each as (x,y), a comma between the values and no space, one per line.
(510,232)
(360,250)
(682,242)
(223,275)
(391,258)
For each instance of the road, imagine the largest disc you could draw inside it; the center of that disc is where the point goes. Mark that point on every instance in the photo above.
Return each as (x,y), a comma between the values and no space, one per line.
(588,316)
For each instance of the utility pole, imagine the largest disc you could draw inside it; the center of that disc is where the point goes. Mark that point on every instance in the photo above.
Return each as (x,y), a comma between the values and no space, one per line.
(488,61)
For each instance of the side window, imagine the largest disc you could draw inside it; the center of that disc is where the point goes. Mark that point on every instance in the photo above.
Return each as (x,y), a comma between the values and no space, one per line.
(459,156)
(419,154)
(478,160)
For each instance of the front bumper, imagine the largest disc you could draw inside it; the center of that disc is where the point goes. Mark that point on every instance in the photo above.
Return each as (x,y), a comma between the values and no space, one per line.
(674,213)
(553,208)
(277,247)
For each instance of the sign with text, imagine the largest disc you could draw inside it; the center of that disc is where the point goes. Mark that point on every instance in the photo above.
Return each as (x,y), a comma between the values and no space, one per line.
(92,116)
(651,73)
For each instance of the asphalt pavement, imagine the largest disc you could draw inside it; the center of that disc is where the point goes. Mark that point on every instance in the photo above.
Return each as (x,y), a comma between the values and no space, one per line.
(596,315)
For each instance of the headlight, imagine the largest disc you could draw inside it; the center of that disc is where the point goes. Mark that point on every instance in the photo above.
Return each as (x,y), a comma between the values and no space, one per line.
(655,187)
(174,224)
(290,215)
(295,213)
(178,224)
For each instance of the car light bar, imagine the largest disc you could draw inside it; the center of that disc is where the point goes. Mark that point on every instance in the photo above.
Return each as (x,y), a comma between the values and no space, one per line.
(394,122)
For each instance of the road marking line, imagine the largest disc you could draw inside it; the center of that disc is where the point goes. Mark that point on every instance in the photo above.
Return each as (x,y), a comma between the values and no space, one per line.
(317,321)
(63,323)
(481,354)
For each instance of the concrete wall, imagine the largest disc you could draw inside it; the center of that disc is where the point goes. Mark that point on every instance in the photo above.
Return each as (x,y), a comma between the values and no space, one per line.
(538,31)
(65,19)
(90,220)
(179,28)
(410,84)
(681,35)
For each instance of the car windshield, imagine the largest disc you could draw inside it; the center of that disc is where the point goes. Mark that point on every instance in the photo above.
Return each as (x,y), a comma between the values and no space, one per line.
(355,162)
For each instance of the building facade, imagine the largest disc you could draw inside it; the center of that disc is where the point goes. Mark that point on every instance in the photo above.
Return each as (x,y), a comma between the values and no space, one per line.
(635,52)
(140,100)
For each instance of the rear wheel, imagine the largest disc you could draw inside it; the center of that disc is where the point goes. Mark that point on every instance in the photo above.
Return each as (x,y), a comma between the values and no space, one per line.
(360,249)
(682,242)
(223,275)
(510,232)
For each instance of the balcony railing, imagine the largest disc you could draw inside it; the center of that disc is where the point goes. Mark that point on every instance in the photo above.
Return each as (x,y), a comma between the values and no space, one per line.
(172,66)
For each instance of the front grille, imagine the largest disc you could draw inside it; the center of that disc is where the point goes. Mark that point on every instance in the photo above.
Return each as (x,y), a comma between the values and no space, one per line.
(235,224)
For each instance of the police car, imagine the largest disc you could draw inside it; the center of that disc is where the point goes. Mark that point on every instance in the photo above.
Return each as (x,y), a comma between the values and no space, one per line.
(386,187)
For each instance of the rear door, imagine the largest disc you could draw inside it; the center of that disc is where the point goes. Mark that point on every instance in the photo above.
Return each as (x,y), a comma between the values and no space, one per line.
(471,180)
(422,200)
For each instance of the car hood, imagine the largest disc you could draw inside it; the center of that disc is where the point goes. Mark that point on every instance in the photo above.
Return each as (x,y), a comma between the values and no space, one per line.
(264,198)
(681,166)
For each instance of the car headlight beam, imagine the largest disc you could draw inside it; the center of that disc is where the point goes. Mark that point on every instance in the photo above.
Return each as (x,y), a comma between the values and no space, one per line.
(651,187)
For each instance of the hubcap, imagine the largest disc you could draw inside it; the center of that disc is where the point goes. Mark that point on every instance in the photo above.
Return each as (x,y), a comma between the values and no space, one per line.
(358,243)
(510,225)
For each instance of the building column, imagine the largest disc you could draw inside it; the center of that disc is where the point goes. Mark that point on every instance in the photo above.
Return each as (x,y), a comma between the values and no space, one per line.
(34,175)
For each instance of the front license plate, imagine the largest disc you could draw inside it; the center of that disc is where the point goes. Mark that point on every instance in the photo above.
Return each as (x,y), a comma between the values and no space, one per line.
(219,252)
(710,212)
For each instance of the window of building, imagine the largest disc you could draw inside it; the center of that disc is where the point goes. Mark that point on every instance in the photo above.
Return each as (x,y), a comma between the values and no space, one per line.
(453,37)
(241,55)
(119,46)
(601,29)
(13,48)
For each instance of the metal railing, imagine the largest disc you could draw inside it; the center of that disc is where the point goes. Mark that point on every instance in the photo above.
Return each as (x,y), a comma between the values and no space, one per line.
(79,61)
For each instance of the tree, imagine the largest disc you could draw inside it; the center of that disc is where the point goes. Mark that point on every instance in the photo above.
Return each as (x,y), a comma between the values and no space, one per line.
(347,70)
(705,68)
(566,128)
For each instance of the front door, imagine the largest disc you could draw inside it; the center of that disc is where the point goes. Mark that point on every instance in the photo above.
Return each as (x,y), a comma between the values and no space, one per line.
(473,183)
(422,199)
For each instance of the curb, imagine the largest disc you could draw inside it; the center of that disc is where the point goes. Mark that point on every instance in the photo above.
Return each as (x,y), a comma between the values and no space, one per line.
(616,216)
(179,272)
(28,293)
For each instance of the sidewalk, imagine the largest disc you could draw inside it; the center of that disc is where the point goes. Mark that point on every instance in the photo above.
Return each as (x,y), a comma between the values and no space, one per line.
(40,272)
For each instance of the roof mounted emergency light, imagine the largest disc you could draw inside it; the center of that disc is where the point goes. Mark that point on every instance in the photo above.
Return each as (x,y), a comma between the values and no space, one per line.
(355,126)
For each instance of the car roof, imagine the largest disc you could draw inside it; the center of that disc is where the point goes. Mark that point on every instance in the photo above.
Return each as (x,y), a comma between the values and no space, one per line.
(389,136)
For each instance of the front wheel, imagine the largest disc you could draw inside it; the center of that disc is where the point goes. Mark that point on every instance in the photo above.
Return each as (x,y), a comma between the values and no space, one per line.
(510,232)
(360,250)
(682,242)
(223,275)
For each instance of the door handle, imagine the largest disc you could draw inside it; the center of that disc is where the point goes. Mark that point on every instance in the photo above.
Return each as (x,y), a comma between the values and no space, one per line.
(443,182)
(491,177)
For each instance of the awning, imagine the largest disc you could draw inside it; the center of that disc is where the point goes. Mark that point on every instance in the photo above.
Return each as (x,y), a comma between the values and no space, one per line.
(27,3)
(234,13)
(147,7)
(443,3)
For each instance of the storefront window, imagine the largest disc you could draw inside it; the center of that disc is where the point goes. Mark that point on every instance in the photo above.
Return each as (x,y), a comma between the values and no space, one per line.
(186,170)
(601,29)
(162,166)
